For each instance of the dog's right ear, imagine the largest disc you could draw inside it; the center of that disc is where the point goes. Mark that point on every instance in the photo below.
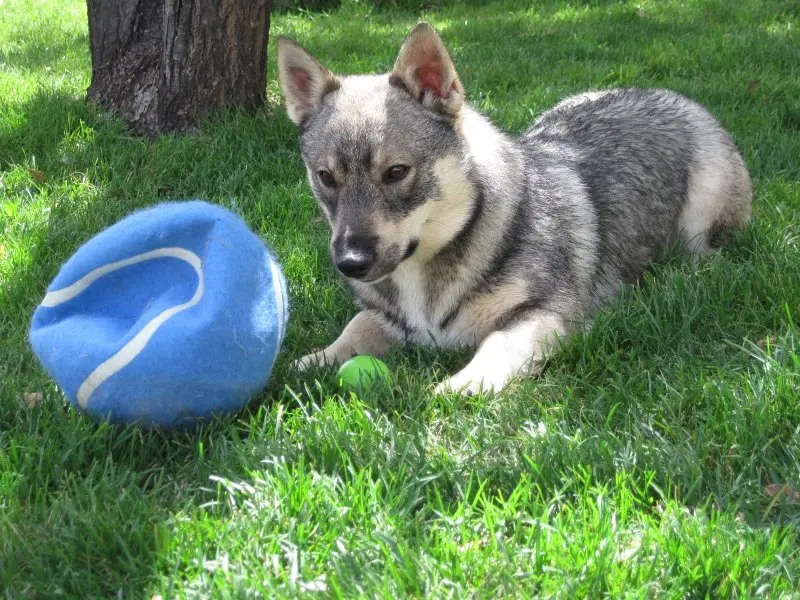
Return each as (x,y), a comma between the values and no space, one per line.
(303,79)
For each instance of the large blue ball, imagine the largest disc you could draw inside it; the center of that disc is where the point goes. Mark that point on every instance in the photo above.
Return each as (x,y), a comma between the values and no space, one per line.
(166,318)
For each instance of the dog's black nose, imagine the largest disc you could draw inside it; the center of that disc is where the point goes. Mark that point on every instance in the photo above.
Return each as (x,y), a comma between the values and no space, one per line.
(354,254)
(355,264)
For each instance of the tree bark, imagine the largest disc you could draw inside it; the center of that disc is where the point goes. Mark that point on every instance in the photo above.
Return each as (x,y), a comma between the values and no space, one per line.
(163,64)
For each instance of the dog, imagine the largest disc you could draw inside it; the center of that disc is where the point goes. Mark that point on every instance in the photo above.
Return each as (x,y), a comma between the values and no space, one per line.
(454,233)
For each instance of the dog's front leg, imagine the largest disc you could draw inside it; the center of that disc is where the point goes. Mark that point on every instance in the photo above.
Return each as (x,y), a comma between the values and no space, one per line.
(363,335)
(519,349)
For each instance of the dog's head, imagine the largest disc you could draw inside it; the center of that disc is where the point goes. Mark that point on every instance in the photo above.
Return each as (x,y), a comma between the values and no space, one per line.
(382,151)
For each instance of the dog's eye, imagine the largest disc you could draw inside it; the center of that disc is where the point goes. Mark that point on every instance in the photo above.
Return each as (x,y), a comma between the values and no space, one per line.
(395,173)
(326,178)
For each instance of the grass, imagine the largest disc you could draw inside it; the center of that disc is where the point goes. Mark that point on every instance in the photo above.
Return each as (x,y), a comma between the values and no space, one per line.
(658,456)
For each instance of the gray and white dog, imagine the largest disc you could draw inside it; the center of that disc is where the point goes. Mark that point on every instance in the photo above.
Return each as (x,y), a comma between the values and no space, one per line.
(452,232)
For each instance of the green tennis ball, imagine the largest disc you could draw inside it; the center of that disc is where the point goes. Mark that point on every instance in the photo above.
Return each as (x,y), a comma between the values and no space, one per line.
(361,372)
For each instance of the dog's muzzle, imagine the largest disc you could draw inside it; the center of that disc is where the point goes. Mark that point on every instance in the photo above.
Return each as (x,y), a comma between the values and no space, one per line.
(354,255)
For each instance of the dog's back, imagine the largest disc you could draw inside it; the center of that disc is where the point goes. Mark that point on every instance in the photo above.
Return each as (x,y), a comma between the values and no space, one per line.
(656,169)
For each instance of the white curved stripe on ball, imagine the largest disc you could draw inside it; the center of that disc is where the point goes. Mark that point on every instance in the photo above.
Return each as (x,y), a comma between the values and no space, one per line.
(280,301)
(132,349)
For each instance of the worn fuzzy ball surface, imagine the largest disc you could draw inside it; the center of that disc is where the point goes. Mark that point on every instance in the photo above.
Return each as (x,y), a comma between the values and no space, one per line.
(172,315)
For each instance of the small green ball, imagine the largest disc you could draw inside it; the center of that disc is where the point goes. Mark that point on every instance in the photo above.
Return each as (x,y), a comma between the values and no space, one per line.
(361,372)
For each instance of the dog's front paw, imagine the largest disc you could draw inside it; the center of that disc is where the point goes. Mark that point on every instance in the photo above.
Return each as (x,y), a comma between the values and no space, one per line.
(470,383)
(315,359)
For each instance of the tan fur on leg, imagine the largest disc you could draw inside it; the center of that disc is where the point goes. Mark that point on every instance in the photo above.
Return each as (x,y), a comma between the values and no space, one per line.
(363,335)
(518,350)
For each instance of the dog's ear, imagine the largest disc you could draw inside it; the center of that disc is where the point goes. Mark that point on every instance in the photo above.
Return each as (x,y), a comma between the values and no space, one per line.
(424,68)
(303,79)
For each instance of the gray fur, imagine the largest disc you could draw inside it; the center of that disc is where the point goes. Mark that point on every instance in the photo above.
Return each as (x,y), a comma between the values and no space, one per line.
(538,229)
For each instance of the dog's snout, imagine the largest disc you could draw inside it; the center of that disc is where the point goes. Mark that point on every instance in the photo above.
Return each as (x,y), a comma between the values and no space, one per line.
(354,255)
(355,266)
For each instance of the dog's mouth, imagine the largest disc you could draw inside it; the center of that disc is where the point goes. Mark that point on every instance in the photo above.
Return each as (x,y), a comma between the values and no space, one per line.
(412,247)
(376,279)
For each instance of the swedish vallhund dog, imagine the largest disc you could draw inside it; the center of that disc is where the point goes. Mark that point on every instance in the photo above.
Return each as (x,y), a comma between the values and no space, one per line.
(452,232)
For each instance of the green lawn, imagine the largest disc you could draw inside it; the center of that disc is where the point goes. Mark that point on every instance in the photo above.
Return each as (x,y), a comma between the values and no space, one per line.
(658,456)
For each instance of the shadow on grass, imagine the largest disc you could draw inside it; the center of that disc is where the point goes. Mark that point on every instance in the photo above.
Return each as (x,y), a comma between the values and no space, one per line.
(99,498)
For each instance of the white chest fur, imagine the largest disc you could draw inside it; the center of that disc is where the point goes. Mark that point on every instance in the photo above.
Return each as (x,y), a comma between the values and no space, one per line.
(470,316)
(415,306)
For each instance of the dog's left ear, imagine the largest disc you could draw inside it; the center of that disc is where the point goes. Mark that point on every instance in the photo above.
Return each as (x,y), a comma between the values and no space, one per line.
(424,68)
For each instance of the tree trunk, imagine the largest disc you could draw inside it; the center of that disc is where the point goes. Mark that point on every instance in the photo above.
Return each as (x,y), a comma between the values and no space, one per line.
(163,64)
